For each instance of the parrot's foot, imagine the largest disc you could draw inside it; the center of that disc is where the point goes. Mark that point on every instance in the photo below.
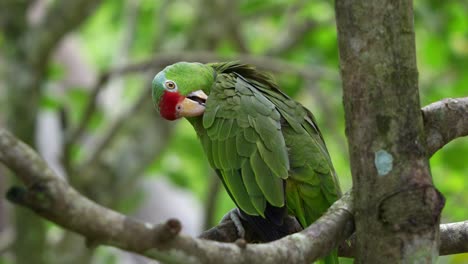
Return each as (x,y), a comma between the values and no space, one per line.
(235,216)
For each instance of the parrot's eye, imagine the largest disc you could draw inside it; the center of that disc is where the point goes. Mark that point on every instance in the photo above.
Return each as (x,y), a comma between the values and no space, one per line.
(170,85)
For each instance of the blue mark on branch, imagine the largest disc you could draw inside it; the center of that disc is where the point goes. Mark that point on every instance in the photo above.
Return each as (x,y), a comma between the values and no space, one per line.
(383,162)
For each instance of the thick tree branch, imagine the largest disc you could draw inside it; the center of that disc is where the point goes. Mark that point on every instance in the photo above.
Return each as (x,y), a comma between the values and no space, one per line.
(453,237)
(453,240)
(444,121)
(54,199)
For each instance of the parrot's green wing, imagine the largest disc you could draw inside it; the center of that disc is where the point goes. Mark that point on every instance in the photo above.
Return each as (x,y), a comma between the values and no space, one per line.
(245,145)
(257,138)
(312,185)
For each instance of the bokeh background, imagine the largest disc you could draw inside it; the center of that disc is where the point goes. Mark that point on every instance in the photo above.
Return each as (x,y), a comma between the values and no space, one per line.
(125,157)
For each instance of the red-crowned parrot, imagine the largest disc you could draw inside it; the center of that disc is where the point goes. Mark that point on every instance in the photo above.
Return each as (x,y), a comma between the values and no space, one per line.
(265,147)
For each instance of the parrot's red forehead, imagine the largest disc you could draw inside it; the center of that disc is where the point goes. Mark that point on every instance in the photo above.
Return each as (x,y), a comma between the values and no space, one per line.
(168,104)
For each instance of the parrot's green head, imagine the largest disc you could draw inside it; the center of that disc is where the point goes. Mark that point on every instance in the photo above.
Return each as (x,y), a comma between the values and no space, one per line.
(180,89)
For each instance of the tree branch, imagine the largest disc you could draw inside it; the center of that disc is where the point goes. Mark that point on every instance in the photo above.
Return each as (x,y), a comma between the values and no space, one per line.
(74,135)
(263,62)
(293,35)
(295,30)
(53,199)
(454,237)
(444,121)
(13,17)
(112,131)
(62,17)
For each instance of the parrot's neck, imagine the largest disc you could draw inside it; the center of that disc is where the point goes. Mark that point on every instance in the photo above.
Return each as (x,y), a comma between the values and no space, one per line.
(209,75)
(197,123)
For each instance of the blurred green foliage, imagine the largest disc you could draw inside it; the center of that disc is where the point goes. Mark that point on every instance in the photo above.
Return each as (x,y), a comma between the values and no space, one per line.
(167,26)
(442,52)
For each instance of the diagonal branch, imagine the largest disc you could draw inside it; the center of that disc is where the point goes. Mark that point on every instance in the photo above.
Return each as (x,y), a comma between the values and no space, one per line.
(62,17)
(112,132)
(54,199)
(445,121)
(293,35)
(295,30)
(90,108)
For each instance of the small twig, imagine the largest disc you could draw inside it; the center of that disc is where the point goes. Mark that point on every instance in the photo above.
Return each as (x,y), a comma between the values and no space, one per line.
(90,107)
(444,121)
(113,130)
(74,135)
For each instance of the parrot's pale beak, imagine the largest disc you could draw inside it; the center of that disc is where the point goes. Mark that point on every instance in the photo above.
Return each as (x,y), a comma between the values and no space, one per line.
(193,105)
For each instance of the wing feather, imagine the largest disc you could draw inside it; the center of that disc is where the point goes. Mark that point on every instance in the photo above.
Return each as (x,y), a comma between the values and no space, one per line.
(258,138)
(246,144)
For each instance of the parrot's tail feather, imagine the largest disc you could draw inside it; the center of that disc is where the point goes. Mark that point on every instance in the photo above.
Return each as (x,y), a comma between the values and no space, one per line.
(272,227)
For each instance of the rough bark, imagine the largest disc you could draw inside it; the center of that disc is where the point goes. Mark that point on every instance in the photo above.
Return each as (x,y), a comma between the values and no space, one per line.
(397,207)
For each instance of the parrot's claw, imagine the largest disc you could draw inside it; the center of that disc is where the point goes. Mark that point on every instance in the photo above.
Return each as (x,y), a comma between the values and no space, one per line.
(234,216)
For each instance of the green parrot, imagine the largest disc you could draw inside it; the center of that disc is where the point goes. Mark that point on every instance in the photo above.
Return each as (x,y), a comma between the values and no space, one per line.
(265,147)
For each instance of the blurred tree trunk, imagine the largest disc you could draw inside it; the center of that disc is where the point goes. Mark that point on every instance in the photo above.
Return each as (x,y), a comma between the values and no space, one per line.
(397,206)
(21,81)
(25,52)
